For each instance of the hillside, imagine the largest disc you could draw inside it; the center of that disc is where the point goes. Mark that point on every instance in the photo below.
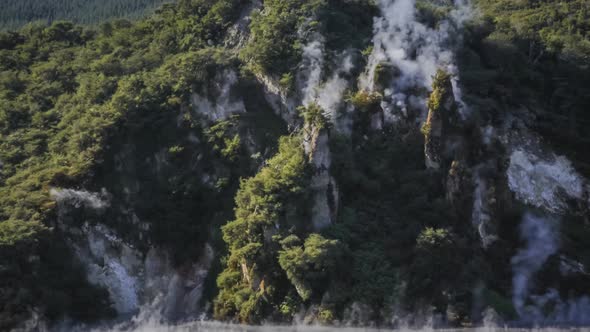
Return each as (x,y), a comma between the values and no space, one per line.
(17,13)
(351,163)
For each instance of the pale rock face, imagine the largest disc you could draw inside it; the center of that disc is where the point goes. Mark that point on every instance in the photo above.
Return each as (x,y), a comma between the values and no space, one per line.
(329,97)
(238,33)
(280,102)
(97,250)
(322,183)
(481,215)
(434,141)
(543,183)
(440,121)
(134,279)
(536,175)
(223,106)
(316,142)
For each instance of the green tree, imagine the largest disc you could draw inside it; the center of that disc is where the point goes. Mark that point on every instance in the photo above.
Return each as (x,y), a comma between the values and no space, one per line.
(272,202)
(310,265)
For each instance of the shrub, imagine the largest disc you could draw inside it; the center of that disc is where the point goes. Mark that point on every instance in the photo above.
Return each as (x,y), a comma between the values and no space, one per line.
(426,129)
(308,265)
(18,232)
(274,46)
(365,101)
(313,116)
(287,82)
(273,200)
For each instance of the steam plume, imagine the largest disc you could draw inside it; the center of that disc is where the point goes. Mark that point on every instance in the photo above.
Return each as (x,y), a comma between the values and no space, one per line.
(541,242)
(80,198)
(414,49)
(542,183)
(311,73)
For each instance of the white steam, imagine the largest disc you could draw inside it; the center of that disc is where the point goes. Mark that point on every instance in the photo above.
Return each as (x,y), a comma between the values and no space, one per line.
(575,311)
(148,322)
(541,237)
(80,198)
(311,74)
(544,183)
(223,104)
(541,242)
(121,285)
(330,94)
(415,50)
(131,277)
(151,324)
(144,284)
(110,264)
(480,215)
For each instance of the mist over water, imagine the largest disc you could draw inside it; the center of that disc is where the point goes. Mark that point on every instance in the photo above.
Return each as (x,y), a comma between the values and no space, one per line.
(207,327)
(204,326)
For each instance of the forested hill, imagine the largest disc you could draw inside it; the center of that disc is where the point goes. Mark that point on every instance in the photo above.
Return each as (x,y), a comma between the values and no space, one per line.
(16,13)
(343,162)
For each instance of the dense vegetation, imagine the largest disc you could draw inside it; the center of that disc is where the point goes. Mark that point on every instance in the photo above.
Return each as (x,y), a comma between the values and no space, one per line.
(16,14)
(110,107)
(277,33)
(274,198)
(71,97)
(534,53)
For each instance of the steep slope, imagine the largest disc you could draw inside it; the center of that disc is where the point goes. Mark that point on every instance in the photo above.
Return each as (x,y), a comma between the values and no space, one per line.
(390,162)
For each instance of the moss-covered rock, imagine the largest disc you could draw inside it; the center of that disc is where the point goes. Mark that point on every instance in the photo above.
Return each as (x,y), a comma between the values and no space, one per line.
(441,109)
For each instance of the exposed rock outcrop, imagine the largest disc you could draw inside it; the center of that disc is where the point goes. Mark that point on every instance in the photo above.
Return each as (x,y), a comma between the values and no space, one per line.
(544,183)
(483,213)
(442,114)
(278,99)
(237,34)
(132,278)
(224,104)
(459,187)
(323,185)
